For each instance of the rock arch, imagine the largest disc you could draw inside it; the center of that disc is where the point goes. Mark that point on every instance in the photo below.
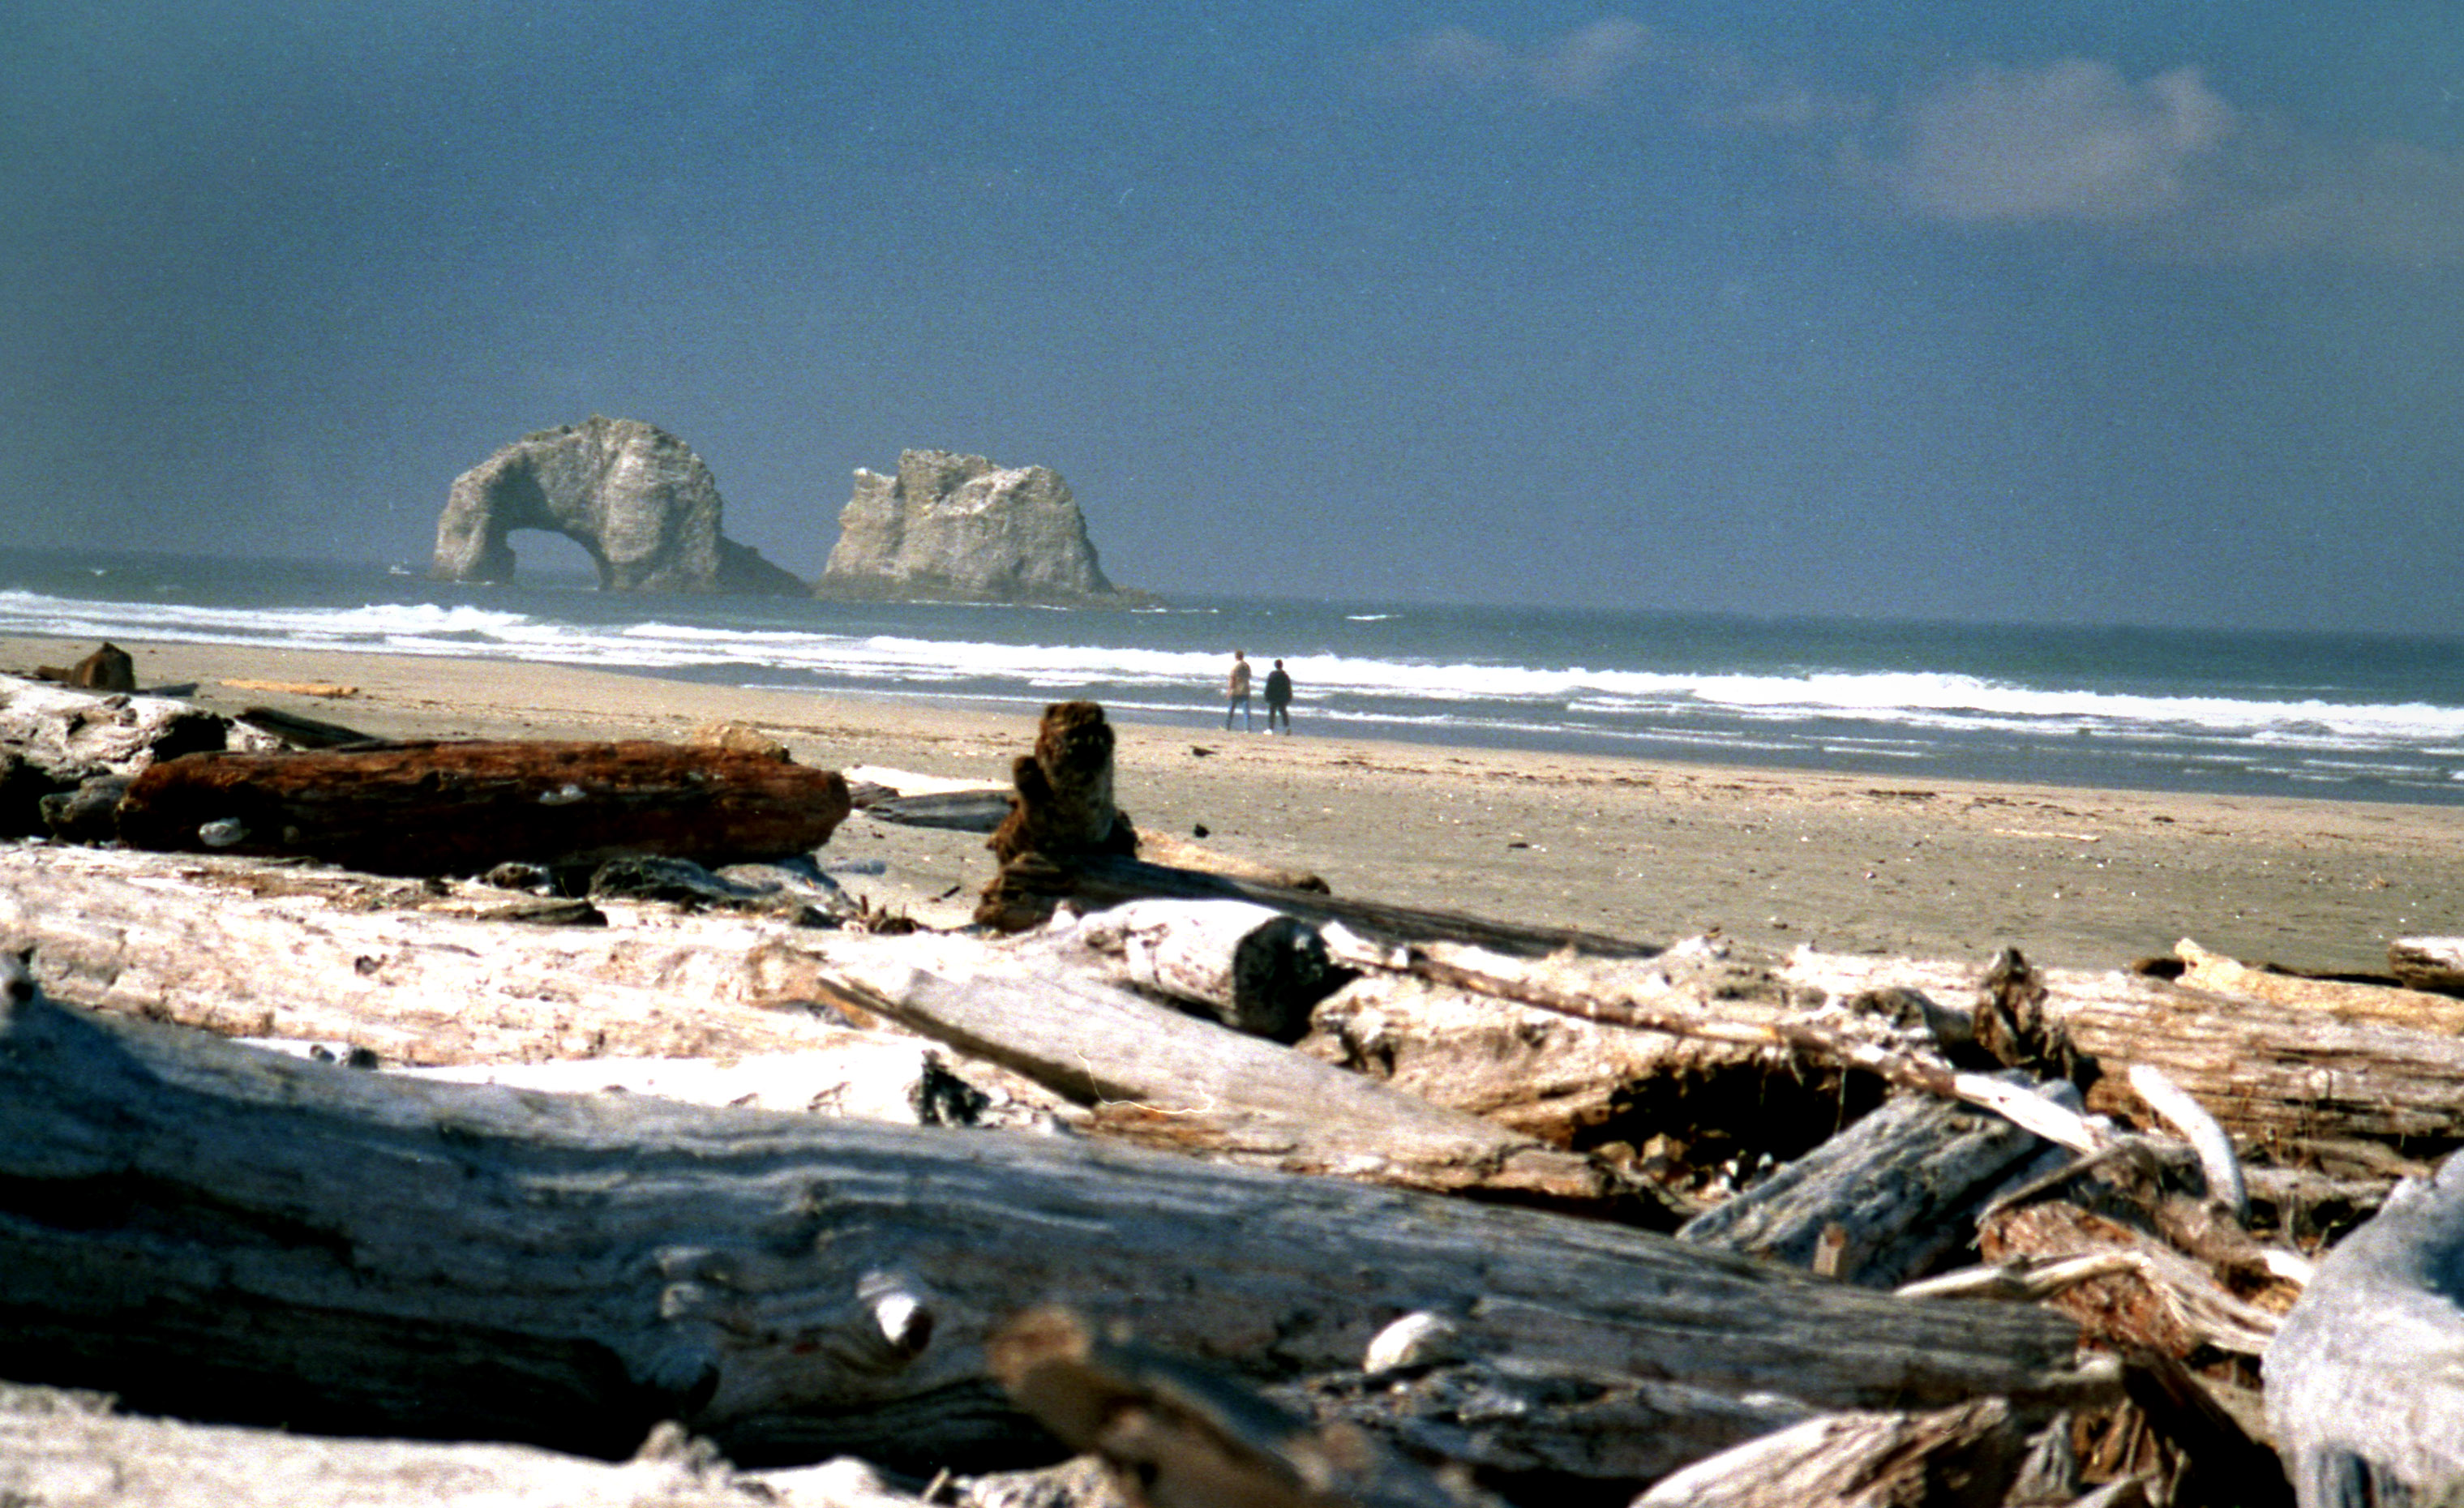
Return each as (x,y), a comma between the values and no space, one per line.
(640,503)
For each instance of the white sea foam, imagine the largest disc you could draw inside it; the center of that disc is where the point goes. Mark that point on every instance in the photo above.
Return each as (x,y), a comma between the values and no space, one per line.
(1902,713)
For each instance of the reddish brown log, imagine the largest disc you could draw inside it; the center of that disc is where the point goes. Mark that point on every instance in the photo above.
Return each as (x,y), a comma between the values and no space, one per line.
(459,808)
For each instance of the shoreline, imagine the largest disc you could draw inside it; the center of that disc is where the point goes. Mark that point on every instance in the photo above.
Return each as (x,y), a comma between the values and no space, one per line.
(1903,863)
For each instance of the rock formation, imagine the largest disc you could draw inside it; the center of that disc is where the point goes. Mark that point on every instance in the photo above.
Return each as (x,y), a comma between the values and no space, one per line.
(958,527)
(634,496)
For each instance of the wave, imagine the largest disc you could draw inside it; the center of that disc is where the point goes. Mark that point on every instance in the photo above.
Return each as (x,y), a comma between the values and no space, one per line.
(1814,708)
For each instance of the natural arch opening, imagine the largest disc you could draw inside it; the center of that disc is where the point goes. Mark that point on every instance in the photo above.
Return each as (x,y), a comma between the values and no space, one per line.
(551,558)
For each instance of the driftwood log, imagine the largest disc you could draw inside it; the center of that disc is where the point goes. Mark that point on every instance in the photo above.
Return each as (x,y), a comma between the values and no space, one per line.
(256,947)
(2364,1385)
(2277,1077)
(109,668)
(300,732)
(1183,1436)
(1093,883)
(1968,1454)
(60,1450)
(72,735)
(1556,1078)
(216,1231)
(1883,1201)
(251,949)
(461,808)
(2427,963)
(56,741)
(1248,966)
(1152,1075)
(1541,1435)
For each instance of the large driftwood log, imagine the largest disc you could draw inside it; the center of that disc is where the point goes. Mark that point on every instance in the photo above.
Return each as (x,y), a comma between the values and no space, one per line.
(1248,966)
(2364,1387)
(1096,881)
(232,1234)
(55,739)
(72,735)
(460,808)
(1552,1075)
(2341,1000)
(2276,1076)
(1156,1076)
(1882,1202)
(1968,1454)
(70,1450)
(250,948)
(887,1077)
(1186,1436)
(1699,997)
(2429,963)
(1541,1435)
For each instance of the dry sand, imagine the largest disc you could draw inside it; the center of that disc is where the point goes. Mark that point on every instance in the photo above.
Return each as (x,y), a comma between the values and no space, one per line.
(1646,851)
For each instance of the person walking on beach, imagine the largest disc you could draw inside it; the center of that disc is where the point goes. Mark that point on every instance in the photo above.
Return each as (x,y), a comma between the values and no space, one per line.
(1238,689)
(1279,699)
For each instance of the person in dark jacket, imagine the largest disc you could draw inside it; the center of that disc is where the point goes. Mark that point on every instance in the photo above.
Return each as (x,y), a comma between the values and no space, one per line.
(1279,698)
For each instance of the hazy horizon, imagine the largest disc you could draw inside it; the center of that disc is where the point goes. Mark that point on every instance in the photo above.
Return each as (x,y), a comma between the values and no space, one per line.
(1920,311)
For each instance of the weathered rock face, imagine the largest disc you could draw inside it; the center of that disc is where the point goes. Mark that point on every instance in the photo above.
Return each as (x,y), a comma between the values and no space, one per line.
(633,496)
(960,527)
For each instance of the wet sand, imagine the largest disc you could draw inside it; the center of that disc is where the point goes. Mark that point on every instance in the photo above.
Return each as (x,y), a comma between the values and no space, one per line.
(1654,851)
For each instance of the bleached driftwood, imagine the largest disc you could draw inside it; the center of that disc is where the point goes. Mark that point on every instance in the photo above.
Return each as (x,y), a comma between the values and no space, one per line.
(463,807)
(1884,1200)
(1557,1435)
(1967,1455)
(70,734)
(250,948)
(2427,963)
(1156,1076)
(1096,881)
(2341,1000)
(2363,1390)
(885,1077)
(1252,967)
(2275,1076)
(227,1232)
(1688,998)
(1546,1074)
(67,1451)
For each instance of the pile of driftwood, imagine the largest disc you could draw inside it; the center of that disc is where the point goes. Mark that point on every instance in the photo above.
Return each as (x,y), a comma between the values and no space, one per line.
(550,1094)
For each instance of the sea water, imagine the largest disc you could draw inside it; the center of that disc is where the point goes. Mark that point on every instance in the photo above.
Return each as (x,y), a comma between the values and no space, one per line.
(2352,716)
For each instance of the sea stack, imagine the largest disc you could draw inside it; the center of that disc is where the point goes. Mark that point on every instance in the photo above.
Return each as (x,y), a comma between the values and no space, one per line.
(636,497)
(961,528)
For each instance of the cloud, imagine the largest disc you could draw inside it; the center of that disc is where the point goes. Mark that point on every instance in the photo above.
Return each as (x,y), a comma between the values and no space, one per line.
(2165,164)
(2071,140)
(1585,63)
(1447,59)
(2369,201)
(1582,65)
(1599,63)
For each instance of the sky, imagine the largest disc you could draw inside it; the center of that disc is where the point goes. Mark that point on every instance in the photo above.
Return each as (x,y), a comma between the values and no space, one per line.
(2067,311)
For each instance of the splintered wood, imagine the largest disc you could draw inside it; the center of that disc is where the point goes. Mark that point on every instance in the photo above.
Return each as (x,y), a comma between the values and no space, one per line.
(1258,1195)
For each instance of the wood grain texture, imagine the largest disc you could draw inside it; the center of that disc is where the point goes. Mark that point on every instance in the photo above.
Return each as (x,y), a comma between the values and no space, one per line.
(214,1230)
(459,808)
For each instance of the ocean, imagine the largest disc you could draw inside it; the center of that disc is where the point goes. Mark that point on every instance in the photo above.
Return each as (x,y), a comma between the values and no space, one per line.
(2347,716)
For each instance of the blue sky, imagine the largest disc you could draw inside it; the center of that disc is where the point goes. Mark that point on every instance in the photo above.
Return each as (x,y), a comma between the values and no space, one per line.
(2094,313)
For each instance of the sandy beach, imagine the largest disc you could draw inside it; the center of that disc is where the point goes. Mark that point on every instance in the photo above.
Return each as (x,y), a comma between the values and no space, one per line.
(1647,851)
